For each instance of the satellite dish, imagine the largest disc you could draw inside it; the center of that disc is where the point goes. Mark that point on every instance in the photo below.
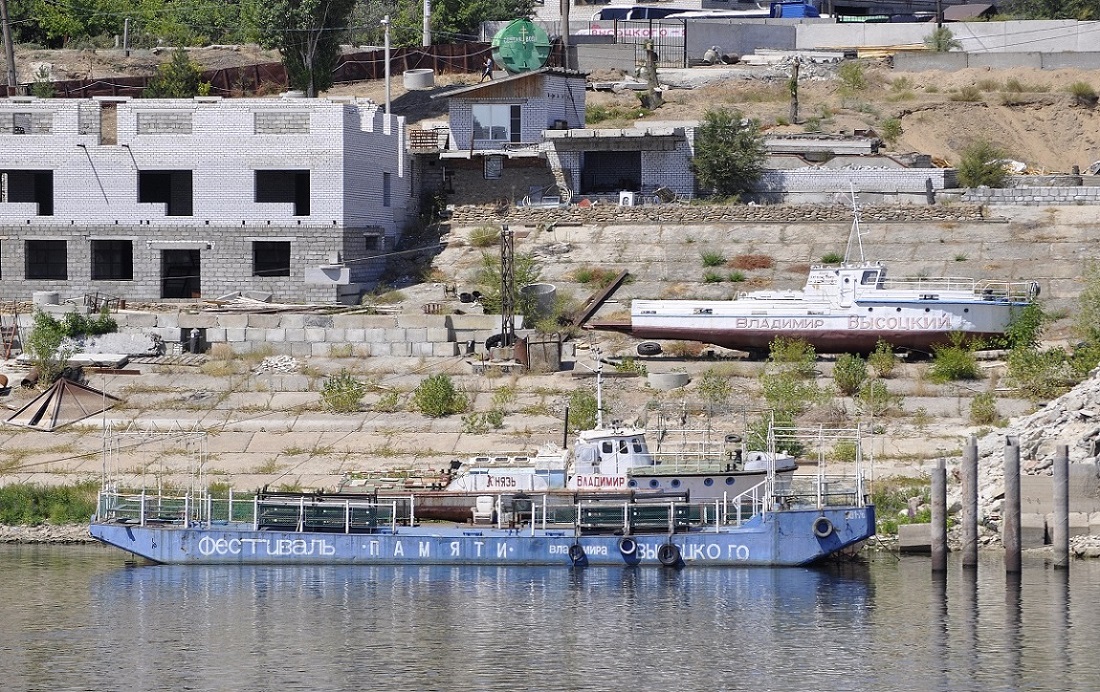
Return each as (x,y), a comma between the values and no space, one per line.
(521,46)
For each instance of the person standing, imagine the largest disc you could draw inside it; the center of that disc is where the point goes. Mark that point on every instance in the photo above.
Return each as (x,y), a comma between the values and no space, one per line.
(488,70)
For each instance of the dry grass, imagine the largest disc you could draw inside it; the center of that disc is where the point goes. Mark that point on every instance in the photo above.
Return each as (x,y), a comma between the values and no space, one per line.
(751,261)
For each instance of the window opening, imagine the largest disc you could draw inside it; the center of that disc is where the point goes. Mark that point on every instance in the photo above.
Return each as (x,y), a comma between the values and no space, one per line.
(173,189)
(112,260)
(271,258)
(285,187)
(47,259)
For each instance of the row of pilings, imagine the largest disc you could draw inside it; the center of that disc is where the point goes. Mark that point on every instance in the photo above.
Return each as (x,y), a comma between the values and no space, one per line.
(1011,528)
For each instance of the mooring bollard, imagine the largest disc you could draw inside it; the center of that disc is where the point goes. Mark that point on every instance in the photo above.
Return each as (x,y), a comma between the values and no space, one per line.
(1061,507)
(939,516)
(1010,533)
(970,503)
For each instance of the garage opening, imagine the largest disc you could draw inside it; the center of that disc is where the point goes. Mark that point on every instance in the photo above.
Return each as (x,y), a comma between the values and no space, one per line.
(180,274)
(611,171)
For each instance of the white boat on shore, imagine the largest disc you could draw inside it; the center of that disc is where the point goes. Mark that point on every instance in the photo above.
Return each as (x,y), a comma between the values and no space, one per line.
(843,308)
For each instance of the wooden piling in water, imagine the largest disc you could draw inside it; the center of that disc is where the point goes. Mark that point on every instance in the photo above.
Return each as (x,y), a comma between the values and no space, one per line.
(970,504)
(939,516)
(1061,507)
(1010,532)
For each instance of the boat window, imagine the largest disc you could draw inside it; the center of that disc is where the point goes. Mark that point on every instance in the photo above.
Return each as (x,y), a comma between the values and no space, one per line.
(623,449)
(869,277)
(637,445)
(608,448)
(708,482)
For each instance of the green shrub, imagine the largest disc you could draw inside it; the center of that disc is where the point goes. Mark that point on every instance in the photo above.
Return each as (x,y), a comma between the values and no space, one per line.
(891,130)
(712,277)
(484,236)
(852,76)
(883,360)
(982,163)
(845,450)
(341,392)
(968,94)
(849,373)
(630,365)
(582,410)
(832,258)
(714,387)
(31,504)
(481,423)
(736,277)
(1083,94)
(437,397)
(941,40)
(875,398)
(794,356)
(983,409)
(713,259)
(954,362)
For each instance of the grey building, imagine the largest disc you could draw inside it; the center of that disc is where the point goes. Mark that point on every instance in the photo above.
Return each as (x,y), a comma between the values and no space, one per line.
(163,199)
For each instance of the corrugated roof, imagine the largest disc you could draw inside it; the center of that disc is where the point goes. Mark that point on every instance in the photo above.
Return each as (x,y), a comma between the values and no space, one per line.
(557,71)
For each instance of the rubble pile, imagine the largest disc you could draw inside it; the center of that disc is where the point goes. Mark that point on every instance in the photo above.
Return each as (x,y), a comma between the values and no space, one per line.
(1073,419)
(278,364)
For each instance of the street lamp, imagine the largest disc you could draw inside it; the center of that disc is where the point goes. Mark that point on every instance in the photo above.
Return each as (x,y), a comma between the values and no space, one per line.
(386,32)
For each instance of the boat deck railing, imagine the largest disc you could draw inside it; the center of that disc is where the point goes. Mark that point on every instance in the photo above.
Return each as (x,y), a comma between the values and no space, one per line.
(988,289)
(389,514)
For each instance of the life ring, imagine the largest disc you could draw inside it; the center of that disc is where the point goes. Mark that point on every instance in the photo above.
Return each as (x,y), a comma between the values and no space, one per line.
(668,555)
(576,553)
(628,546)
(823,528)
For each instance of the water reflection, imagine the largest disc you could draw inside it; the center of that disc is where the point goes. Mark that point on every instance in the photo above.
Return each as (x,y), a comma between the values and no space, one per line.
(83,621)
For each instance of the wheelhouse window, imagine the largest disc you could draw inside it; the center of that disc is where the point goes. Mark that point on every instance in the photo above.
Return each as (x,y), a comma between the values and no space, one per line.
(498,122)
(112,260)
(271,258)
(47,259)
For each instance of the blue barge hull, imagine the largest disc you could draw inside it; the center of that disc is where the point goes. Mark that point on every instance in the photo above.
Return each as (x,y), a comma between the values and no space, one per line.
(786,537)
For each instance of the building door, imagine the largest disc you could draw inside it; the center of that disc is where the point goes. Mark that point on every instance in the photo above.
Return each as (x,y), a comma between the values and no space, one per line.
(180,275)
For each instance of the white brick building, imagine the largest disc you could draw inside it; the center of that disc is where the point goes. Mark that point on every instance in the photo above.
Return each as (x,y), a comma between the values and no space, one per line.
(183,198)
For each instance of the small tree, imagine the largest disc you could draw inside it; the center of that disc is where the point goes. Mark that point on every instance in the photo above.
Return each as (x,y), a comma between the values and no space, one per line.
(729,152)
(307,33)
(941,40)
(42,87)
(982,163)
(582,410)
(179,78)
(43,345)
(342,392)
(849,373)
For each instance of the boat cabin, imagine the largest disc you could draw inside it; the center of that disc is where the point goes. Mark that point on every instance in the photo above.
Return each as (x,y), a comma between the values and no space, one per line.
(611,452)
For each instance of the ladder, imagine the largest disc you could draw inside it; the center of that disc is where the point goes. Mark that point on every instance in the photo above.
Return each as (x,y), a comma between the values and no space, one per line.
(9,328)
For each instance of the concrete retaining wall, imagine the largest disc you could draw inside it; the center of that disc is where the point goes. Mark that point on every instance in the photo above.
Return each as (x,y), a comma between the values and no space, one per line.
(1032,196)
(950,62)
(1049,36)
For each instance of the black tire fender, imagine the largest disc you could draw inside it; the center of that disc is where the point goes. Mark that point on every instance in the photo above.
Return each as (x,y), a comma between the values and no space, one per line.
(823,528)
(576,553)
(628,546)
(669,555)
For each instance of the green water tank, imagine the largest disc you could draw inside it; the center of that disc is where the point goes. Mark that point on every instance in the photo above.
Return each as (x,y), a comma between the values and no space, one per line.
(521,46)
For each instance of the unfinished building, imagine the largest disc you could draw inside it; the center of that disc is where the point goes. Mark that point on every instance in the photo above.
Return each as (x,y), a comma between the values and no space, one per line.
(178,199)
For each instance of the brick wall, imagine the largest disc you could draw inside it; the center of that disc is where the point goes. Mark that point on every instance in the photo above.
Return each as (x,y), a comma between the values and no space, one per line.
(1032,196)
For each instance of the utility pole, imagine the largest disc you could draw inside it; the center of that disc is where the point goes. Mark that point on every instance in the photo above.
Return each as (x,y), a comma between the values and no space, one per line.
(427,40)
(565,34)
(386,29)
(9,47)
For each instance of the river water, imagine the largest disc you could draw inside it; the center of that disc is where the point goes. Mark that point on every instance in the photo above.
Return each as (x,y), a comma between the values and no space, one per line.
(81,618)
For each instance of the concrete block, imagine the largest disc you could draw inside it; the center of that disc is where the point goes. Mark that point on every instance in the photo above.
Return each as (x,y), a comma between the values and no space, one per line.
(200,320)
(448,350)
(421,321)
(421,349)
(915,538)
(355,335)
(233,320)
(274,336)
(235,335)
(375,335)
(215,335)
(350,321)
(315,334)
(168,320)
(290,320)
(128,319)
(394,335)
(1033,531)
(295,335)
(438,335)
(265,321)
(255,334)
(379,321)
(300,349)
(335,336)
(320,349)
(1078,524)
(380,348)
(321,321)
(416,335)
